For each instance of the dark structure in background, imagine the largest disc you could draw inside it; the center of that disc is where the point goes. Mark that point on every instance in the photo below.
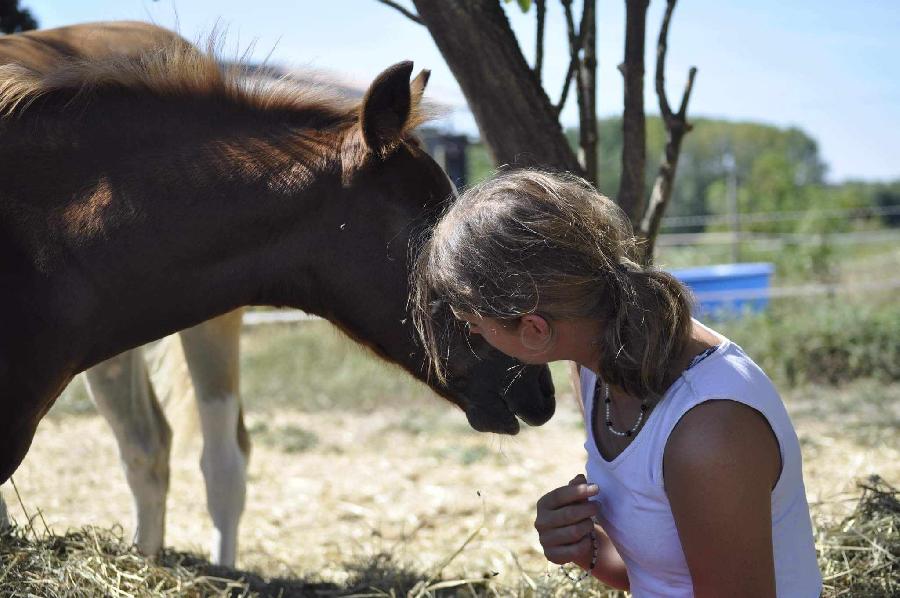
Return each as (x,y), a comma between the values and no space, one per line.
(449,151)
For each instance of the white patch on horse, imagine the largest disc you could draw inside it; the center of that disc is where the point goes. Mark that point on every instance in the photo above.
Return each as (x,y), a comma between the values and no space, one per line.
(224,467)
(120,388)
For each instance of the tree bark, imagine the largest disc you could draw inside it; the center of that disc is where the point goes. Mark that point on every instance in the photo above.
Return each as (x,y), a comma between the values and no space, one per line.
(587,91)
(518,123)
(583,66)
(634,138)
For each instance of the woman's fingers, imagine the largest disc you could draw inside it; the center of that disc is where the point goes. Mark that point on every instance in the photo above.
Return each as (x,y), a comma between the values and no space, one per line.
(570,534)
(579,479)
(568,553)
(564,521)
(567,495)
(564,516)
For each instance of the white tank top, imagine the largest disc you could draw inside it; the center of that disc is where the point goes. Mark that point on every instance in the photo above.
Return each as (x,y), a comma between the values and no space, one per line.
(635,509)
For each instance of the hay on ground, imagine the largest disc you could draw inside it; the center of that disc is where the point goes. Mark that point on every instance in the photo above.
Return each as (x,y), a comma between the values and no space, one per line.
(859,556)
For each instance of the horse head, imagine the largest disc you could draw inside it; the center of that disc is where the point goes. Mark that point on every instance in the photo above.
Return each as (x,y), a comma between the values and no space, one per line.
(392,191)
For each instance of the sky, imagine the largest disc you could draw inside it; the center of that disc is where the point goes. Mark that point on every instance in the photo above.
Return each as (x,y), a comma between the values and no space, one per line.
(830,67)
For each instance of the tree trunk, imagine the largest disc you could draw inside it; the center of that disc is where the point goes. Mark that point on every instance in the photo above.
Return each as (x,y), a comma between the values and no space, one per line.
(587,92)
(516,119)
(634,138)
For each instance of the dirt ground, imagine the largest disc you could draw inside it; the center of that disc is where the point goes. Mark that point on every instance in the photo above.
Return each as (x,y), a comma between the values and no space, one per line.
(331,488)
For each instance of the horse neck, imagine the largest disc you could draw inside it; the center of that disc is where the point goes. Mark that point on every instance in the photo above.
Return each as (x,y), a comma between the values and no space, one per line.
(169,239)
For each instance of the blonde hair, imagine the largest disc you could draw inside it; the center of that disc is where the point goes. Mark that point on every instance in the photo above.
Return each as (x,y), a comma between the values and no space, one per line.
(529,241)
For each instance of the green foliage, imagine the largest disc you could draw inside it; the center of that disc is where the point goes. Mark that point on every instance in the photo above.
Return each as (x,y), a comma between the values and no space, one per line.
(776,169)
(887,195)
(823,340)
(524,5)
(772,163)
(479,163)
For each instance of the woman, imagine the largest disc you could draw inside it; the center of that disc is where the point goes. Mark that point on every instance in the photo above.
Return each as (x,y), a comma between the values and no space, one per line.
(694,484)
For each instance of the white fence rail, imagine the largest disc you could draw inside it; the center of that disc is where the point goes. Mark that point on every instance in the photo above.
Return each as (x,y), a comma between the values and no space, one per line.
(261,318)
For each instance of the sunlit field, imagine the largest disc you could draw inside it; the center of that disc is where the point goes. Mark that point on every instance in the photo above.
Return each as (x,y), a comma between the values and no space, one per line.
(360,473)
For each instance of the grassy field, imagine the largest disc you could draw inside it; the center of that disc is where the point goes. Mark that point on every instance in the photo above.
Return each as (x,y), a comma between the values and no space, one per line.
(363,482)
(362,476)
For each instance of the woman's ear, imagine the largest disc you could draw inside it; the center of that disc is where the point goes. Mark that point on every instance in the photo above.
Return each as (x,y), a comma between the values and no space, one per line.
(535,333)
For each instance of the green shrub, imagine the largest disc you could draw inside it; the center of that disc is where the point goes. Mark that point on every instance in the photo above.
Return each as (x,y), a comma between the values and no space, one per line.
(825,340)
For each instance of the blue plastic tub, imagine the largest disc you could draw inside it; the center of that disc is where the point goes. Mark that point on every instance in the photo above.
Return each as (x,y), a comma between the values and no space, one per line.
(728,289)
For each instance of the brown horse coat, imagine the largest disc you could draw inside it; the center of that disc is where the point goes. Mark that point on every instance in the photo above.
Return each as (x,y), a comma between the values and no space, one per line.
(142,196)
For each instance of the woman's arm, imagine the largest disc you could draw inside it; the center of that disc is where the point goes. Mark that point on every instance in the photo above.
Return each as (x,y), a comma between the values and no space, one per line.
(720,465)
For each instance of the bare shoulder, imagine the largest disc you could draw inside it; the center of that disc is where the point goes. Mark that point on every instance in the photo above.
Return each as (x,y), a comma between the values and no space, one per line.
(722,439)
(720,465)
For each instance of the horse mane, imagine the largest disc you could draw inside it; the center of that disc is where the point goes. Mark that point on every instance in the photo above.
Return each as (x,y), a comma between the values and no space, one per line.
(171,71)
(180,71)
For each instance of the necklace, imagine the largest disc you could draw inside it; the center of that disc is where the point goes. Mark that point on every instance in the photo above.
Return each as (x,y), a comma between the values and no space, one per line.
(606,401)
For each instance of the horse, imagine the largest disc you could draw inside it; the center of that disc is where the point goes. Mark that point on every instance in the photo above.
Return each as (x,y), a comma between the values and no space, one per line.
(120,386)
(142,195)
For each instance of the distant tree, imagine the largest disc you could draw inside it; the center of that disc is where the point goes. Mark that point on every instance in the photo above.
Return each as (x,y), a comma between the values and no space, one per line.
(14,19)
(775,167)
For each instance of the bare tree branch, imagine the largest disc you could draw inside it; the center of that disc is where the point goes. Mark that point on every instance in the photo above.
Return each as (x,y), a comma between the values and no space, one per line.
(573,35)
(406,13)
(662,47)
(563,96)
(686,96)
(584,83)
(541,6)
(676,128)
(583,65)
(574,50)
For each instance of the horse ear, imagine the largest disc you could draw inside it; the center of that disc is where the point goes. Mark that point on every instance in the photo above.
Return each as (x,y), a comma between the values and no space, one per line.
(417,87)
(387,106)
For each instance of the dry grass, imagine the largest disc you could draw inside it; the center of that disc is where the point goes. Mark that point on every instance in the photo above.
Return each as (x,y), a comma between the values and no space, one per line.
(859,557)
(363,484)
(94,562)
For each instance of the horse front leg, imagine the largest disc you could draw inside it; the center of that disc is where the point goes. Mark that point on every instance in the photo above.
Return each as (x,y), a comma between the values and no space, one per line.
(121,390)
(212,351)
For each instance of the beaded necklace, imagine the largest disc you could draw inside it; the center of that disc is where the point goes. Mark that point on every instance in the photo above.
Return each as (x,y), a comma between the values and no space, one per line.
(644,406)
(608,418)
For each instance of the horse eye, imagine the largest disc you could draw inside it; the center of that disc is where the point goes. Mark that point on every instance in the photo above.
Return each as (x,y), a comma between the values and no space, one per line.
(436,306)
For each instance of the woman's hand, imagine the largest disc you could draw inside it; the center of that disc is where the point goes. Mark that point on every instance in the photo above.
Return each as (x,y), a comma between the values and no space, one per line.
(564,523)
